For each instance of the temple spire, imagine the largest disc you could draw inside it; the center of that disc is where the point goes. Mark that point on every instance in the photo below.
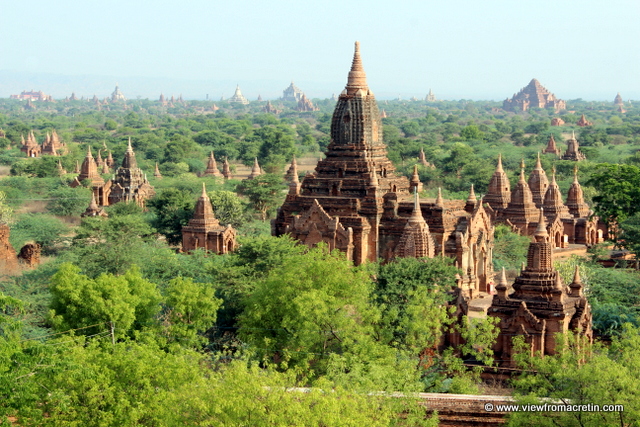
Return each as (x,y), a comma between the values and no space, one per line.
(541,231)
(439,201)
(357,78)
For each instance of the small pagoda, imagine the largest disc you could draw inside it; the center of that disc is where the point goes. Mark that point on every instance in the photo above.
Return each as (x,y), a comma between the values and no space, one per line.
(205,232)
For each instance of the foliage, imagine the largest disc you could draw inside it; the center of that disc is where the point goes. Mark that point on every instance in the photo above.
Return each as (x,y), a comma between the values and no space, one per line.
(303,311)
(580,374)
(619,192)
(45,230)
(227,207)
(264,192)
(68,201)
(190,309)
(95,305)
(5,211)
(510,249)
(630,234)
(173,208)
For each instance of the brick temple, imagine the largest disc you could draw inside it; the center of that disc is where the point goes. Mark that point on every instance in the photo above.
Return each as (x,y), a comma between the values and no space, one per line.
(540,305)
(568,223)
(355,202)
(533,95)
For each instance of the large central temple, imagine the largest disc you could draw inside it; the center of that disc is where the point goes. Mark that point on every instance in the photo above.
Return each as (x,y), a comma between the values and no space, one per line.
(355,202)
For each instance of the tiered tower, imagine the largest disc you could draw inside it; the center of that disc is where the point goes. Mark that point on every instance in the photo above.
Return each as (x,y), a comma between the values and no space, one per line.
(238,97)
(499,194)
(573,150)
(204,230)
(538,183)
(540,306)
(130,183)
(212,167)
(349,182)
(521,210)
(575,199)
(552,148)
(89,174)
(534,95)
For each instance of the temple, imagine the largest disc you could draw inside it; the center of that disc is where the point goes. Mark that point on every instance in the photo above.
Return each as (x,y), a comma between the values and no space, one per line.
(292,93)
(534,95)
(52,145)
(618,100)
(238,97)
(130,184)
(552,148)
(205,232)
(540,305)
(117,95)
(573,150)
(305,104)
(355,202)
(430,97)
(212,167)
(568,223)
(583,122)
(255,169)
(30,146)
(90,177)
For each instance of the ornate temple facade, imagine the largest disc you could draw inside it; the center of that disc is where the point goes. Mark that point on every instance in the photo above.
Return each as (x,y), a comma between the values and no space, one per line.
(355,202)
(52,145)
(129,183)
(568,223)
(540,305)
(30,146)
(212,167)
(552,147)
(533,95)
(90,177)
(205,232)
(573,150)
(583,122)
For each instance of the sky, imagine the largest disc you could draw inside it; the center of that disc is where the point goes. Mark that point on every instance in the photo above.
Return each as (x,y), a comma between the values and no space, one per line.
(461,49)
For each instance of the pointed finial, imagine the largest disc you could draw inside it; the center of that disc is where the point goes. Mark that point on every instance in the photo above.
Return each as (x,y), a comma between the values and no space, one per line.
(541,231)
(538,163)
(129,148)
(576,275)
(472,195)
(357,78)
(503,277)
(522,171)
(439,201)
(499,167)
(573,134)
(575,174)
(204,191)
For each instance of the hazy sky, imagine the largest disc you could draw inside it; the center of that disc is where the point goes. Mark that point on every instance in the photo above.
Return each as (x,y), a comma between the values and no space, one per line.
(470,49)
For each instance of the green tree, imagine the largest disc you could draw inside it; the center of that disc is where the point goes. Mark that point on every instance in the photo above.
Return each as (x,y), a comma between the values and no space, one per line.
(510,248)
(191,309)
(618,192)
(227,207)
(302,312)
(264,192)
(45,230)
(107,303)
(630,234)
(581,375)
(173,208)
